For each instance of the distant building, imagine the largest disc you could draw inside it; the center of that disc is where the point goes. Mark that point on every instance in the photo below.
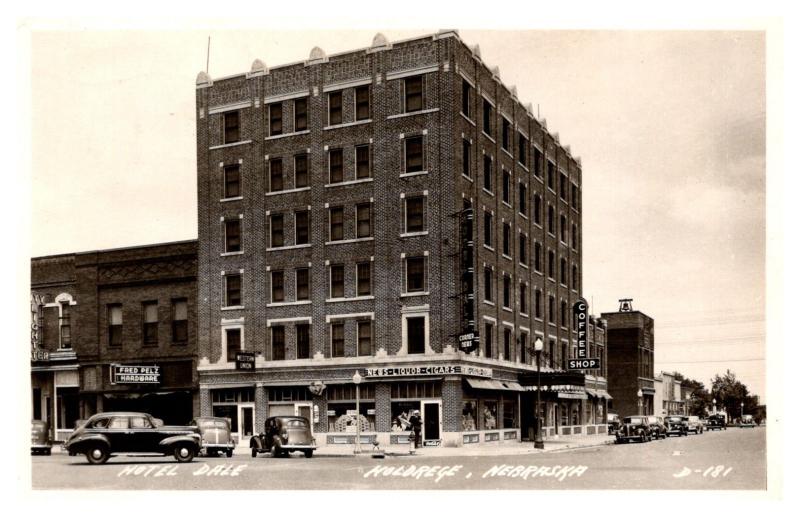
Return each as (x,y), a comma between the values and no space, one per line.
(631,347)
(667,399)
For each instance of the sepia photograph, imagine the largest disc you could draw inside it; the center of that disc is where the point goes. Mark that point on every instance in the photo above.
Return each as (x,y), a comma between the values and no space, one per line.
(381,258)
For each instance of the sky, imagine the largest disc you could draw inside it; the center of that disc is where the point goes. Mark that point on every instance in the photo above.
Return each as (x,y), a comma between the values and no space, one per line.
(669,125)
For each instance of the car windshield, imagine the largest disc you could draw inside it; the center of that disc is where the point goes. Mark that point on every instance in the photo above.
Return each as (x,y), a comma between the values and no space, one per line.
(295,423)
(633,420)
(674,419)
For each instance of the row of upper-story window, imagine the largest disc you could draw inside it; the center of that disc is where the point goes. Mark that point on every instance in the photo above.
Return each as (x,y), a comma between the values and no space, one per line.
(351,280)
(150,322)
(507,245)
(508,299)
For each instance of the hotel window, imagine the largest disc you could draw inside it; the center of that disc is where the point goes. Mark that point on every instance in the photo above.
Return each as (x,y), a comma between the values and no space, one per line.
(563,228)
(334,108)
(363,220)
(506,187)
(574,277)
(563,276)
(506,291)
(574,235)
(414,100)
(300,171)
(551,265)
(537,301)
(551,220)
(487,229)
(487,117)
(233,241)
(364,279)
(415,275)
(487,173)
(415,156)
(466,93)
(363,166)
(466,154)
(65,331)
(337,281)
(180,321)
(564,316)
(230,127)
(573,198)
(233,343)
(551,309)
(552,354)
(364,337)
(303,340)
(523,199)
(278,343)
(523,249)
(507,239)
(275,119)
(276,175)
(301,227)
(335,166)
(523,347)
(337,340)
(415,334)
(551,175)
(537,162)
(487,284)
(300,114)
(233,290)
(488,331)
(415,214)
(337,224)
(301,284)
(150,323)
(114,325)
(523,298)
(537,209)
(277,286)
(362,103)
(507,344)
(276,231)
(537,257)
(232,181)
(522,151)
(562,186)
(506,135)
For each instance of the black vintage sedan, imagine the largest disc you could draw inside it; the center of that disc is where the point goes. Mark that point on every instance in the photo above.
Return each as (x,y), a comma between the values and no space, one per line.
(634,428)
(107,434)
(283,435)
(676,425)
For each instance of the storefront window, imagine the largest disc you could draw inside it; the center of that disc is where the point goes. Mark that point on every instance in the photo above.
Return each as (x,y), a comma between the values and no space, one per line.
(401,414)
(564,413)
(575,414)
(230,413)
(490,414)
(469,415)
(342,417)
(509,413)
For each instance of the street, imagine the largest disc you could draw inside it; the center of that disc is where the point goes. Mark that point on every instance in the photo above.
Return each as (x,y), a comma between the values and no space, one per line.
(734,459)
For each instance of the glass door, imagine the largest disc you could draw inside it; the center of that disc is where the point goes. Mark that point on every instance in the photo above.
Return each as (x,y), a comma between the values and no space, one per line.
(431,420)
(246,420)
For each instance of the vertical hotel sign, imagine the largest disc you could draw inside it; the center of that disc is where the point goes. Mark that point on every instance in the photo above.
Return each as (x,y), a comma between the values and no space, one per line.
(580,312)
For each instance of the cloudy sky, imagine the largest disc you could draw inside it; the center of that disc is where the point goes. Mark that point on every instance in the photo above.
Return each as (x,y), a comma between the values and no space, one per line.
(670,127)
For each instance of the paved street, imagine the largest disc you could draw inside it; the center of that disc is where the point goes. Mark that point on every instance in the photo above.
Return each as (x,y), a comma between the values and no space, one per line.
(731,459)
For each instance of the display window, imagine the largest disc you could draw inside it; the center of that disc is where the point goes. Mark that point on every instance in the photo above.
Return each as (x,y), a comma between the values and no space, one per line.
(342,417)
(509,413)
(575,414)
(489,417)
(469,416)
(401,415)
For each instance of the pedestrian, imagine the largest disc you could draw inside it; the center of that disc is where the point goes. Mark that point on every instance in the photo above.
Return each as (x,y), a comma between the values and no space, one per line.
(416,426)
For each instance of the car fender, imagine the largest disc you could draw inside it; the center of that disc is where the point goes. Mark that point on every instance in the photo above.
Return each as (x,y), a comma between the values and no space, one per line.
(257,442)
(80,443)
(170,442)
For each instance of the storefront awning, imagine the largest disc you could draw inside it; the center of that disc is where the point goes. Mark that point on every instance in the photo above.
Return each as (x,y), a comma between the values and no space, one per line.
(603,394)
(592,393)
(488,384)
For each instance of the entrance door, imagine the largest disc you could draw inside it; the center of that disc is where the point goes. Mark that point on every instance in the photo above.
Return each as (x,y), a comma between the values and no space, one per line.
(303,410)
(431,421)
(246,420)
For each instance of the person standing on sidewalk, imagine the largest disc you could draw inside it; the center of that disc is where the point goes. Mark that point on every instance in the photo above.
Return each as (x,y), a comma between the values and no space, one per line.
(416,427)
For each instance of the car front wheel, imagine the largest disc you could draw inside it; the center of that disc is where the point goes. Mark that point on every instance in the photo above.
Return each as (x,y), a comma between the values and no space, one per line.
(229,453)
(97,454)
(309,454)
(274,451)
(183,453)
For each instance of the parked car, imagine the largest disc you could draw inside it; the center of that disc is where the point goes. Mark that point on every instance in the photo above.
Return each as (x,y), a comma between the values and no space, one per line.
(106,434)
(657,427)
(693,424)
(747,421)
(613,423)
(283,435)
(215,435)
(40,438)
(716,422)
(675,425)
(634,428)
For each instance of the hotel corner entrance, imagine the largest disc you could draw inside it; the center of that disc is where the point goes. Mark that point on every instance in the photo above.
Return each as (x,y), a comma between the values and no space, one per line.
(431,420)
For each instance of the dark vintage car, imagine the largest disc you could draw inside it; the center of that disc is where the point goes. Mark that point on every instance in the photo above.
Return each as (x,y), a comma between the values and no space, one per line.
(613,423)
(675,425)
(693,424)
(283,435)
(40,438)
(215,435)
(657,427)
(716,422)
(634,428)
(107,434)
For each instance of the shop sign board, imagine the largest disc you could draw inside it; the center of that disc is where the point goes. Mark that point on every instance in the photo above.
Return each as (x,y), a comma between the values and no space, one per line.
(468,341)
(432,369)
(431,443)
(580,312)
(124,374)
(246,361)
(39,354)
(589,363)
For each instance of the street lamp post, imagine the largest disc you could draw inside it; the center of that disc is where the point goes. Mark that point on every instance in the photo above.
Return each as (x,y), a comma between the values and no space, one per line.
(357,381)
(537,440)
(741,414)
(714,402)
(639,394)
(688,399)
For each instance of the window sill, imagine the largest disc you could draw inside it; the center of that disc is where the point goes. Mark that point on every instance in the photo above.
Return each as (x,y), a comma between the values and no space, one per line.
(411,113)
(537,224)
(574,209)
(351,182)
(523,265)
(507,257)
(232,144)
(232,308)
(524,315)
(508,153)
(351,299)
(507,204)
(287,191)
(488,248)
(287,135)
(467,177)
(484,133)
(349,241)
(289,304)
(228,199)
(538,177)
(179,343)
(347,124)
(468,119)
(413,234)
(488,192)
(293,247)
(409,295)
(508,309)
(231,253)
(411,174)
(523,166)
(487,302)
(523,215)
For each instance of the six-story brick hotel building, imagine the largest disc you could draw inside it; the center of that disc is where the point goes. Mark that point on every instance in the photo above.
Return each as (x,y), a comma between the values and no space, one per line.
(360,211)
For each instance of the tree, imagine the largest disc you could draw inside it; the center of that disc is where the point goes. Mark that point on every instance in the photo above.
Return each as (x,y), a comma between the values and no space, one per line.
(699,397)
(731,393)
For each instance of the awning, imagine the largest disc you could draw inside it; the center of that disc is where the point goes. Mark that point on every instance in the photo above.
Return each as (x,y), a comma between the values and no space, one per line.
(487,384)
(591,392)
(603,394)
(573,395)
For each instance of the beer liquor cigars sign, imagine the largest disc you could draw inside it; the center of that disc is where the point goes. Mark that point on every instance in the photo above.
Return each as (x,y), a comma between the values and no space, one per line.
(433,369)
(121,374)
(580,312)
